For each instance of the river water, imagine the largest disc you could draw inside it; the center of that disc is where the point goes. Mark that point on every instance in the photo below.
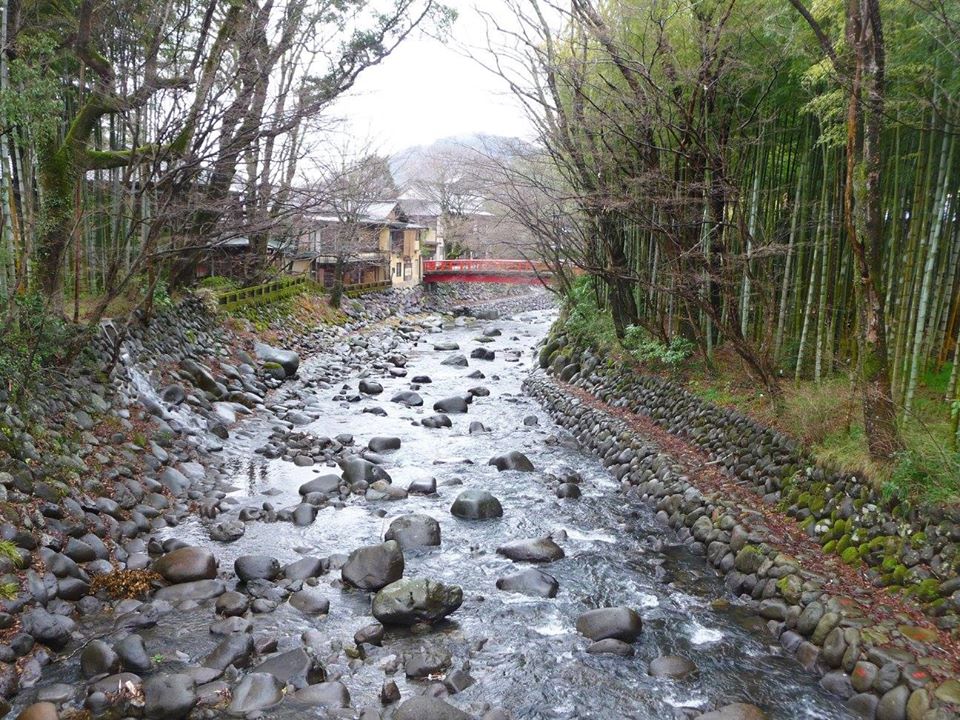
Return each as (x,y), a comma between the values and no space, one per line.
(524,653)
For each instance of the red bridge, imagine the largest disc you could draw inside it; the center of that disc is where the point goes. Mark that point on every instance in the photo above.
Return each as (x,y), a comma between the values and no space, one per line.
(517,272)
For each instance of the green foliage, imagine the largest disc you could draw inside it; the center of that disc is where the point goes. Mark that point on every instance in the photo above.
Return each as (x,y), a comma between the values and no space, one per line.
(9,551)
(161,297)
(9,590)
(33,341)
(646,349)
(218,282)
(927,476)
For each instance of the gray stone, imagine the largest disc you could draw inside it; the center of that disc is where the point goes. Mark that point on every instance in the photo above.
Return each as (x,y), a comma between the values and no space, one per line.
(256,567)
(513,460)
(428,708)
(374,566)
(536,550)
(412,600)
(257,691)
(476,505)
(169,697)
(187,564)
(530,582)
(671,666)
(413,531)
(621,623)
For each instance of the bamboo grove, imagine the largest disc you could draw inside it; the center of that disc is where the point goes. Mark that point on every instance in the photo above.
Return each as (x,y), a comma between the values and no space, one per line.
(760,175)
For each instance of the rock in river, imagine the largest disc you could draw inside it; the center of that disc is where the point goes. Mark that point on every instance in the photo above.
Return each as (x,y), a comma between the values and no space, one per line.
(537,550)
(257,691)
(621,623)
(413,531)
(168,697)
(476,505)
(256,567)
(530,582)
(412,600)
(454,404)
(513,460)
(382,444)
(374,566)
(671,666)
(187,564)
(428,708)
(408,398)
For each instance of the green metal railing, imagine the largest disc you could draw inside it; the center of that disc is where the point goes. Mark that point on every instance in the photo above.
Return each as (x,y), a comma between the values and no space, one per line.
(358,289)
(288,287)
(263,294)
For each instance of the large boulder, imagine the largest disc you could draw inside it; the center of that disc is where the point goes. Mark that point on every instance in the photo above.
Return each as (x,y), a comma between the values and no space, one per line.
(457,360)
(357,469)
(383,444)
(476,505)
(370,387)
(621,623)
(287,359)
(325,484)
(413,531)
(537,550)
(294,667)
(413,600)
(513,460)
(187,564)
(408,398)
(374,566)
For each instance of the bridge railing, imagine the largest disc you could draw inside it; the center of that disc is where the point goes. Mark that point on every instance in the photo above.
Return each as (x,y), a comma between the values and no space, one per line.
(484,266)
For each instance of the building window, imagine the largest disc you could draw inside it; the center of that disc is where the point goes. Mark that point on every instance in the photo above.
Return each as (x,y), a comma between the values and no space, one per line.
(398,270)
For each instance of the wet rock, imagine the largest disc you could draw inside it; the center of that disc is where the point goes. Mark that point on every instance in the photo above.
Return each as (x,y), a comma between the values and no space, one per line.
(513,460)
(737,711)
(477,427)
(304,568)
(294,667)
(287,359)
(611,646)
(371,634)
(256,567)
(133,654)
(671,666)
(232,603)
(197,591)
(98,658)
(187,564)
(370,387)
(389,693)
(476,505)
(621,623)
(428,708)
(456,361)
(413,531)
(327,695)
(359,470)
(455,404)
(257,691)
(536,550)
(483,354)
(325,484)
(374,566)
(568,491)
(236,650)
(408,398)
(54,631)
(435,422)
(227,531)
(446,346)
(424,486)
(310,601)
(418,665)
(412,600)
(530,582)
(169,697)
(383,444)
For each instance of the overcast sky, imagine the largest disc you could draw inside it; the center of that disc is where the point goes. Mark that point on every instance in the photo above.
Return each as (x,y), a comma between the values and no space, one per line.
(428,90)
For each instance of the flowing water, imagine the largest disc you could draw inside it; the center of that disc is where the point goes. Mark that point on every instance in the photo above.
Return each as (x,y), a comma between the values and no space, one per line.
(523,652)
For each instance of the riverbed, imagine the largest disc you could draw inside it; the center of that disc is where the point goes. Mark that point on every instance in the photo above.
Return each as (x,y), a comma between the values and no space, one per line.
(523,653)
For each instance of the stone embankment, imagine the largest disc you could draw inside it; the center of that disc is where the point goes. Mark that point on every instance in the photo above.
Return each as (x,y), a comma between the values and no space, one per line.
(818,553)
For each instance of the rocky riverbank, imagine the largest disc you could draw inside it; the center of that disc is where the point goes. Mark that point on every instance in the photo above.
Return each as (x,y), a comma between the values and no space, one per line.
(734,491)
(129,443)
